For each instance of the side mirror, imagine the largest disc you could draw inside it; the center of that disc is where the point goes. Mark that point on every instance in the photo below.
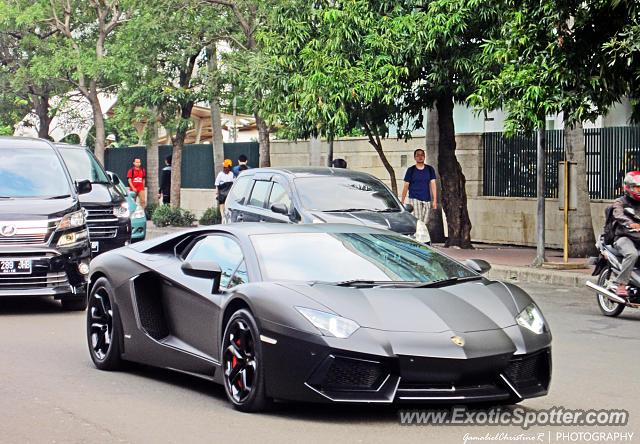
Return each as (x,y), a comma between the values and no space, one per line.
(204,269)
(83,187)
(280,208)
(113,178)
(408,207)
(478,265)
(630,211)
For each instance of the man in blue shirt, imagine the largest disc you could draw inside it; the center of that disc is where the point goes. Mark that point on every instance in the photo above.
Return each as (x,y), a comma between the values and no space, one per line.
(241,166)
(420,182)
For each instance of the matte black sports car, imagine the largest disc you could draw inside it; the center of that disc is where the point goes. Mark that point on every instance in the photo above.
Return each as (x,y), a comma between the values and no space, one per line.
(317,312)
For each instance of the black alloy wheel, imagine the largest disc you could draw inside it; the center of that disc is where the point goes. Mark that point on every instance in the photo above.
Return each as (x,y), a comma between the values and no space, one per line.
(241,363)
(103,332)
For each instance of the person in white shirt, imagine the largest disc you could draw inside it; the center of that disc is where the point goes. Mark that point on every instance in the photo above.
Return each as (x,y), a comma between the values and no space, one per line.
(223,183)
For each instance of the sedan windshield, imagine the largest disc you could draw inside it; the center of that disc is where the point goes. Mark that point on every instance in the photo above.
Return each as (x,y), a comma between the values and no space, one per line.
(343,257)
(32,172)
(83,166)
(340,193)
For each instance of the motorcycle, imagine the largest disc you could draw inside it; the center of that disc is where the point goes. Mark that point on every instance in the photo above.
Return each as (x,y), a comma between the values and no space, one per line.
(607,268)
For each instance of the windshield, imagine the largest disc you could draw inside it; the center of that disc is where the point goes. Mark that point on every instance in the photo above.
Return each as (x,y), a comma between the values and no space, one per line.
(31,172)
(336,193)
(83,166)
(338,257)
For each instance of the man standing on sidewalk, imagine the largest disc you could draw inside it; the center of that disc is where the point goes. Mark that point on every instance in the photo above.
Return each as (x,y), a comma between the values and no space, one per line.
(420,182)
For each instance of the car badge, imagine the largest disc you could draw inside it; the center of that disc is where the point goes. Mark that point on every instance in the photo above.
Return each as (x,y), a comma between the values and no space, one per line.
(8,230)
(458,341)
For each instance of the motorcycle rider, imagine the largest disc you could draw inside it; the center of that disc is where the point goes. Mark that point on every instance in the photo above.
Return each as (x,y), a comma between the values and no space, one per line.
(627,229)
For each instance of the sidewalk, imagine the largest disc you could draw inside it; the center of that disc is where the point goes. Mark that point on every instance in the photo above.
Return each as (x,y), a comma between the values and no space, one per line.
(514,263)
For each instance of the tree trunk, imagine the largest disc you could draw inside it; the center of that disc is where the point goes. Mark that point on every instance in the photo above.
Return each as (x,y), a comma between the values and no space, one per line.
(98,122)
(176,157)
(41,105)
(434,223)
(581,237)
(454,195)
(376,143)
(540,216)
(217,141)
(263,139)
(153,168)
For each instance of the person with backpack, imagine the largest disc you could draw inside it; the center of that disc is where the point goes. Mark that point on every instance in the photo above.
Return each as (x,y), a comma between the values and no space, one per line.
(137,177)
(241,166)
(626,229)
(420,183)
(224,181)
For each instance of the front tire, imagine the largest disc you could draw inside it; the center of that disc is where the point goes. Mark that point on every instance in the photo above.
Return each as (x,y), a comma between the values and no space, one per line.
(607,306)
(104,335)
(242,363)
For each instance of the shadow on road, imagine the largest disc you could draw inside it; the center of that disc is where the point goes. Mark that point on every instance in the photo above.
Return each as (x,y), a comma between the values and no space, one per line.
(17,305)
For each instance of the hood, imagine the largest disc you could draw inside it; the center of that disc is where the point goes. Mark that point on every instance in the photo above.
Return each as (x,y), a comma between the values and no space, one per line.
(36,209)
(101,194)
(401,222)
(466,307)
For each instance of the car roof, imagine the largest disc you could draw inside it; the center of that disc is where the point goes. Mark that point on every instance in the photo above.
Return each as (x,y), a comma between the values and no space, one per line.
(294,172)
(254,228)
(24,142)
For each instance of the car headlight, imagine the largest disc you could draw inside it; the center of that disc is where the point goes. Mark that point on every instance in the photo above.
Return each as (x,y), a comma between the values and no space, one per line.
(72,220)
(68,239)
(122,210)
(329,324)
(139,213)
(531,318)
(422,232)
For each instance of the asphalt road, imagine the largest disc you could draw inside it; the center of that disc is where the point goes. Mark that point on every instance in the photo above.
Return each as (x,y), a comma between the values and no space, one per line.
(50,391)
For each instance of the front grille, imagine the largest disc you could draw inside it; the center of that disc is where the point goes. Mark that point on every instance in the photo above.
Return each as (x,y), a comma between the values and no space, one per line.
(529,371)
(33,281)
(26,232)
(102,223)
(353,374)
(23,239)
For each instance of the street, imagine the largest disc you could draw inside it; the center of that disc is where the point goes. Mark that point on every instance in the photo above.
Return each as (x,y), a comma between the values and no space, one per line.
(51,392)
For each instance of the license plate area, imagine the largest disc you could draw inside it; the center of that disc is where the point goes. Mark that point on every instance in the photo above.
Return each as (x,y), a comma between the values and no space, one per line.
(15,266)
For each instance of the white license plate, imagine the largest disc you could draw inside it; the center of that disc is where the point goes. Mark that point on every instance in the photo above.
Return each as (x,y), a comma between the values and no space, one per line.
(15,266)
(95,246)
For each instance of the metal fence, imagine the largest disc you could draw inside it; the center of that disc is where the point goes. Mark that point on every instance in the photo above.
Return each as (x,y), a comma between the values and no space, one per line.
(510,163)
(197,160)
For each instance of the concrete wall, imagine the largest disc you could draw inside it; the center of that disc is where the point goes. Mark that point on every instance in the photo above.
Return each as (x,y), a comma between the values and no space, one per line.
(197,200)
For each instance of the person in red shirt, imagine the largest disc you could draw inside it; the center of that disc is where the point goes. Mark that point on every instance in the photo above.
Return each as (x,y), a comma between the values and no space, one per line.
(137,177)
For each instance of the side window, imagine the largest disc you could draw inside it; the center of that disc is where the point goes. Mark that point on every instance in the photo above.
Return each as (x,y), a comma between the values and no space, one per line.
(259,193)
(239,190)
(279,195)
(224,250)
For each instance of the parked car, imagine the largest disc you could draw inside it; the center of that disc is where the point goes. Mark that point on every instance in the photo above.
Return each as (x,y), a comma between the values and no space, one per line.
(137,214)
(317,312)
(107,208)
(44,242)
(316,195)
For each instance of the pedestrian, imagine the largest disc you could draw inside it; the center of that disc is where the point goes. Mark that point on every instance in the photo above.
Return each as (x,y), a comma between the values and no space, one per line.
(164,194)
(111,141)
(137,180)
(339,163)
(223,183)
(241,166)
(420,182)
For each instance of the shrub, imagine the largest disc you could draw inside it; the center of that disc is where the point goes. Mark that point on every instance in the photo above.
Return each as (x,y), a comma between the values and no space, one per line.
(211,217)
(165,215)
(149,210)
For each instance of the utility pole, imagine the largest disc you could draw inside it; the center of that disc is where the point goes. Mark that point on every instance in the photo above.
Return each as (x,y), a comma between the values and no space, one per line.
(541,145)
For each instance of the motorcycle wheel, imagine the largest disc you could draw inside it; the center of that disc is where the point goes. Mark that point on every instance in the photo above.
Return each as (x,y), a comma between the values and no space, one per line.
(607,306)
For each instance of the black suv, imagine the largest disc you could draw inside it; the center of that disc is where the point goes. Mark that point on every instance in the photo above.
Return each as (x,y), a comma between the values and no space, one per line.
(107,208)
(316,195)
(44,242)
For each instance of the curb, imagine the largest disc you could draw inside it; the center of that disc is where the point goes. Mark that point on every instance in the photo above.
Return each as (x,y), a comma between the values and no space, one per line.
(538,276)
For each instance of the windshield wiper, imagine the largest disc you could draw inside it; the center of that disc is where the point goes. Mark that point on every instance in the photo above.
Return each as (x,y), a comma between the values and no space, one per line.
(351,283)
(446,281)
(61,196)
(346,210)
(387,210)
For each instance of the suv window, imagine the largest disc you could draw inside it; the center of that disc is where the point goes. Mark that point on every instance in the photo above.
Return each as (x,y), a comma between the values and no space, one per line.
(259,193)
(225,251)
(239,189)
(33,172)
(279,195)
(82,165)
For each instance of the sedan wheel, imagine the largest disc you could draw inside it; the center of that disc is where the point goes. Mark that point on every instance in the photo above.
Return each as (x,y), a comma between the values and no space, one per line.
(241,363)
(103,333)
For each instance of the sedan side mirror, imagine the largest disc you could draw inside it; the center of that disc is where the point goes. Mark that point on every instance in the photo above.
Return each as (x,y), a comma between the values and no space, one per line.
(204,269)
(408,207)
(280,208)
(478,265)
(83,186)
(113,178)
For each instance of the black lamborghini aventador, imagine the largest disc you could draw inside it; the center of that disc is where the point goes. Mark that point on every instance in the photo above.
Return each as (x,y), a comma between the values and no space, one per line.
(321,312)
